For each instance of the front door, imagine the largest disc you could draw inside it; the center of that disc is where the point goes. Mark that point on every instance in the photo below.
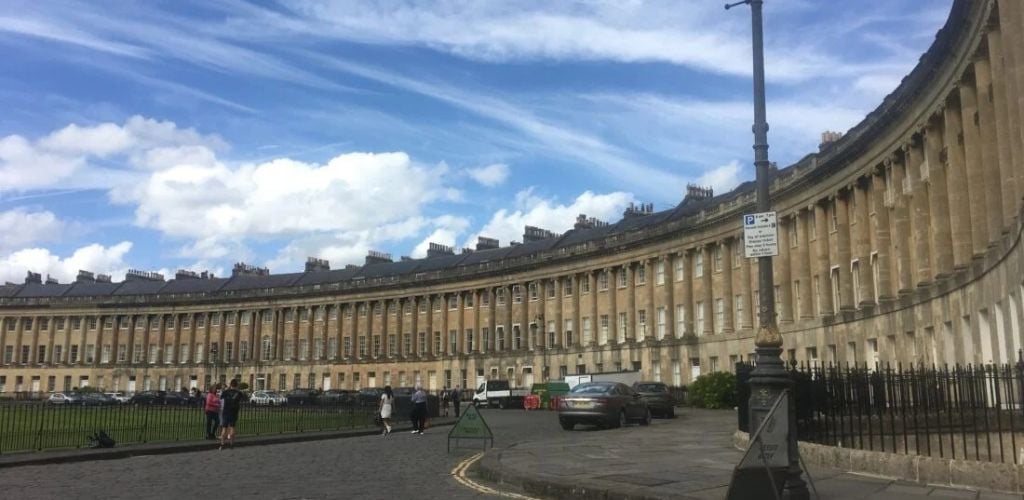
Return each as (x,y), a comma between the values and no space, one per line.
(527,377)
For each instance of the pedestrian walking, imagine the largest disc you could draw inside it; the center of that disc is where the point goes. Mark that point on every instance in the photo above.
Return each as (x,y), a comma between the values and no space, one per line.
(419,410)
(444,401)
(456,400)
(230,404)
(384,408)
(211,406)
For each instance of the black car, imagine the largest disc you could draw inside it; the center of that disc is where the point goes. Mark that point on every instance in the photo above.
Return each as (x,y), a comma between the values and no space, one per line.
(303,397)
(158,398)
(338,397)
(370,396)
(659,398)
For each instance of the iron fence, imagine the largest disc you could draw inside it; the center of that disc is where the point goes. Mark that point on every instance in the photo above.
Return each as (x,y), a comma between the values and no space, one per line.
(35,426)
(971,412)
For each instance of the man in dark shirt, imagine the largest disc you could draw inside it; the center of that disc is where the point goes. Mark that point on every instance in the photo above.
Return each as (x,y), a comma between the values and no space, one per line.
(456,400)
(231,400)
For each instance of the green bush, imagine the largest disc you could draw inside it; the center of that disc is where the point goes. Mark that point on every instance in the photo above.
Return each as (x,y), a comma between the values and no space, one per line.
(713,390)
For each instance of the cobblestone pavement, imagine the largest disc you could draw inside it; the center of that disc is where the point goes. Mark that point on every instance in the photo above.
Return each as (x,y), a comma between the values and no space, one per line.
(399,466)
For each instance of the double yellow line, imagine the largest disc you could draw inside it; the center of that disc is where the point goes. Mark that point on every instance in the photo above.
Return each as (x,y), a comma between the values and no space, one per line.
(459,473)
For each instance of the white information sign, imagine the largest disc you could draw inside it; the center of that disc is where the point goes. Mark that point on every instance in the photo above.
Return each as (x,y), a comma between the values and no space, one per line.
(760,235)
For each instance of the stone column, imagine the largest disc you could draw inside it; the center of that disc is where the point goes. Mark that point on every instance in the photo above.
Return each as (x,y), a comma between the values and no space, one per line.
(98,342)
(35,342)
(460,321)
(688,277)
(802,268)
(1007,120)
(708,292)
(975,166)
(508,318)
(560,313)
(478,341)
(843,248)
(746,277)
(941,243)
(191,338)
(783,274)
(524,316)
(919,217)
(50,335)
(901,214)
(492,314)
(823,265)
(630,330)
(613,309)
(311,325)
(956,181)
(652,307)
(577,327)
(430,324)
(595,325)
(162,339)
(177,340)
(727,315)
(236,352)
(414,326)
(146,333)
(133,323)
(989,148)
(668,296)
(862,241)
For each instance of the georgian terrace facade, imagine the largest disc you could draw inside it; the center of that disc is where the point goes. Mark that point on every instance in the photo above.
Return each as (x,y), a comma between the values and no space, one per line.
(900,242)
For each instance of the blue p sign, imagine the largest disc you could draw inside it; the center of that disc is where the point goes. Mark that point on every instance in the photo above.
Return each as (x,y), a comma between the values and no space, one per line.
(748,220)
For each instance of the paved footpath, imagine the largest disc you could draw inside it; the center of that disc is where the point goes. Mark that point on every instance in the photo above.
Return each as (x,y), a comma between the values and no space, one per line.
(689,457)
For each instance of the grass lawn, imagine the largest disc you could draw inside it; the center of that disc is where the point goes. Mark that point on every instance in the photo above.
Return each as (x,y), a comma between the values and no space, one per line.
(27,427)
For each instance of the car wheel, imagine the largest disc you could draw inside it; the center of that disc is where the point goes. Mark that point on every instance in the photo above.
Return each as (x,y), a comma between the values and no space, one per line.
(622,419)
(646,420)
(501,404)
(567,425)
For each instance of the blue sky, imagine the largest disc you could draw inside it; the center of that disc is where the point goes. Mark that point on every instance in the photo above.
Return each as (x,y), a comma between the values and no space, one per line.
(169,135)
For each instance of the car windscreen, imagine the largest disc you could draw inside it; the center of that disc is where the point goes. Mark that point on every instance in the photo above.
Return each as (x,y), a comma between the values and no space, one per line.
(651,388)
(592,389)
(497,385)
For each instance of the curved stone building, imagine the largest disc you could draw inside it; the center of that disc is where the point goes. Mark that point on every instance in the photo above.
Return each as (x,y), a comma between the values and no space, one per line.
(900,242)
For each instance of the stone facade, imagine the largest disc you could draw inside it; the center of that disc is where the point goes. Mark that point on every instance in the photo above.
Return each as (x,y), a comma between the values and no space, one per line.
(899,243)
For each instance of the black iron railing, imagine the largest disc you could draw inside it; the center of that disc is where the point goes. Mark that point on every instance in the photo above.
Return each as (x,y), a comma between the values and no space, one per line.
(34,426)
(971,412)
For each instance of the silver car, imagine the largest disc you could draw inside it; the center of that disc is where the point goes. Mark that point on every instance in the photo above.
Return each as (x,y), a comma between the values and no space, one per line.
(605,404)
(268,398)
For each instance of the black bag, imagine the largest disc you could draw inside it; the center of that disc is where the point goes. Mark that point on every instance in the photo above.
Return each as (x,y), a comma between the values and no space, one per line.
(101,440)
(377,420)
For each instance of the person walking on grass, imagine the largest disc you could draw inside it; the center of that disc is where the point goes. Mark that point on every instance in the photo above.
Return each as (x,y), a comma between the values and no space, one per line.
(211,405)
(230,403)
(384,409)
(419,410)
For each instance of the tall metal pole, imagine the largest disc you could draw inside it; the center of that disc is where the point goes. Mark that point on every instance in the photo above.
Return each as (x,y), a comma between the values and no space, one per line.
(769,378)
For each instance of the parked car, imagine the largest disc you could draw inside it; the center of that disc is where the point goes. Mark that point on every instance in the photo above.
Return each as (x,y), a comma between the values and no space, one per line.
(158,398)
(659,398)
(119,396)
(605,404)
(303,397)
(97,399)
(369,396)
(338,397)
(65,398)
(269,398)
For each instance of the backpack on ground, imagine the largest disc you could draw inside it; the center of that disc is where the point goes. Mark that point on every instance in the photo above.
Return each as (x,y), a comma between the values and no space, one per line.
(101,440)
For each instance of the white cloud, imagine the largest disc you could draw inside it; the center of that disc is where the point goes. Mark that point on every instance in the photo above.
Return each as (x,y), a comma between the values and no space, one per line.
(449,228)
(21,227)
(491,175)
(215,205)
(95,257)
(62,158)
(533,210)
(723,178)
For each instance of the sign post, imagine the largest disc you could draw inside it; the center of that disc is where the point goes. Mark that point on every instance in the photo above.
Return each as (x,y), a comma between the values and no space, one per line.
(764,465)
(471,425)
(760,235)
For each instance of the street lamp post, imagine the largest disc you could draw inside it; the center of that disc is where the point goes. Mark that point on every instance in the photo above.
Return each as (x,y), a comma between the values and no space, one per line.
(769,378)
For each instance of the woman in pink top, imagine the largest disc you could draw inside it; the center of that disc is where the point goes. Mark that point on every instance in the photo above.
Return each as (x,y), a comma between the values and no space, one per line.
(212,408)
